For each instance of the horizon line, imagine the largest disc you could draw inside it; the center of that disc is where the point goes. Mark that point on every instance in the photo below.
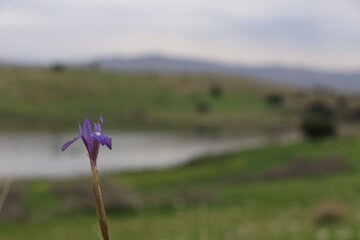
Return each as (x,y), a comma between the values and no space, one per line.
(14,61)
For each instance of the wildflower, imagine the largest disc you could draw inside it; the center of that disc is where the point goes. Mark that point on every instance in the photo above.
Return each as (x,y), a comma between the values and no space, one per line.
(91,138)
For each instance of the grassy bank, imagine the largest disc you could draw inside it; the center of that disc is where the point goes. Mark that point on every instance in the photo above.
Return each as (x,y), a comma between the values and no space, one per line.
(302,191)
(45,99)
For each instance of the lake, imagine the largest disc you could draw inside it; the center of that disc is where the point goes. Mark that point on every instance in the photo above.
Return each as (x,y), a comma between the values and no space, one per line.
(38,155)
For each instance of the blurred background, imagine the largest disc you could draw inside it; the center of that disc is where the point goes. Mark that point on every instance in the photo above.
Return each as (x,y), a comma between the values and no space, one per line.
(229,120)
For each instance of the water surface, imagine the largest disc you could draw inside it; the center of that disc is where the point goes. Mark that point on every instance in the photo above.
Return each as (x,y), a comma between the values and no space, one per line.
(33,155)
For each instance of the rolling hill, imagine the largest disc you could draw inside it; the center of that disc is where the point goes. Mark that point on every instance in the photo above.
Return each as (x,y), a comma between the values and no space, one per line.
(300,77)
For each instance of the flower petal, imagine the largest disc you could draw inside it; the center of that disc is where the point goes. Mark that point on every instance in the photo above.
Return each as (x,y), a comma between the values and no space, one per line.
(68,143)
(87,129)
(92,139)
(96,129)
(100,127)
(106,141)
(103,140)
(87,143)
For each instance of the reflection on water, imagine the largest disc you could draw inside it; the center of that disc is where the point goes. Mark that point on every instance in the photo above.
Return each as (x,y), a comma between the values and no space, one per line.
(38,154)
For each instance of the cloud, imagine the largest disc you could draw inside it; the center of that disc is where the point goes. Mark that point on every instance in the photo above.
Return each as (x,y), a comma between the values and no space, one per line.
(314,33)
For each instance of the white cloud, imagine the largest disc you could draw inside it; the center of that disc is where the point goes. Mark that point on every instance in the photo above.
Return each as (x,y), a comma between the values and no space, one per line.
(12,18)
(316,33)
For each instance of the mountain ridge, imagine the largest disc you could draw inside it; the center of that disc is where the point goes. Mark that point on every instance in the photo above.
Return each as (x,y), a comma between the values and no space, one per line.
(304,77)
(296,76)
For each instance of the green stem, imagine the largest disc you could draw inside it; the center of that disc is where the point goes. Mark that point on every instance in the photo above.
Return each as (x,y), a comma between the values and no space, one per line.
(100,209)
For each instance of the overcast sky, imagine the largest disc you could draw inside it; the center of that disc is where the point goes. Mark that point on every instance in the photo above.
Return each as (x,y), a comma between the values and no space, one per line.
(312,33)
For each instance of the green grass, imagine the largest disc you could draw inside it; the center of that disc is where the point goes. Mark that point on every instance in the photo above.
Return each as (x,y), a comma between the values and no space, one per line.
(45,99)
(278,209)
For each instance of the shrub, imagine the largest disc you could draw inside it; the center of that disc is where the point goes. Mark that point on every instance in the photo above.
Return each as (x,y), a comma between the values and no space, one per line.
(274,99)
(216,91)
(315,127)
(329,213)
(58,67)
(202,108)
(318,121)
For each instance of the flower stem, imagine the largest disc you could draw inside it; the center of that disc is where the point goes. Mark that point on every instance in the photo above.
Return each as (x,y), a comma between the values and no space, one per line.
(100,209)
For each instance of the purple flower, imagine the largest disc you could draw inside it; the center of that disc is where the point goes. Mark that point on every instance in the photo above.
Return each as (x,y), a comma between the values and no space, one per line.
(91,138)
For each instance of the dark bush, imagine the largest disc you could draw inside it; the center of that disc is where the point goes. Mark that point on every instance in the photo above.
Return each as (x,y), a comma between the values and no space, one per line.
(318,121)
(216,91)
(58,68)
(315,127)
(202,108)
(274,99)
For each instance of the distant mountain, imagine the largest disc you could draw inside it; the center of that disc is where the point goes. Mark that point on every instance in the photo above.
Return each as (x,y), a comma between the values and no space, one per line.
(155,63)
(346,82)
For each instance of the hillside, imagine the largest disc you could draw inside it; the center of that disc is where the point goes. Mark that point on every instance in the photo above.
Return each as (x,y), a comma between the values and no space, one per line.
(300,77)
(277,192)
(56,99)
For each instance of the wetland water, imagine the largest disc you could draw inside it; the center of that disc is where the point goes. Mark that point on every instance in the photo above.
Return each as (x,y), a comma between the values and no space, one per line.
(38,155)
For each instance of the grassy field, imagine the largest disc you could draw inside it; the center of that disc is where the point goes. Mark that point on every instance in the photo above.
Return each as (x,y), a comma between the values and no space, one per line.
(306,191)
(44,99)
(225,197)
